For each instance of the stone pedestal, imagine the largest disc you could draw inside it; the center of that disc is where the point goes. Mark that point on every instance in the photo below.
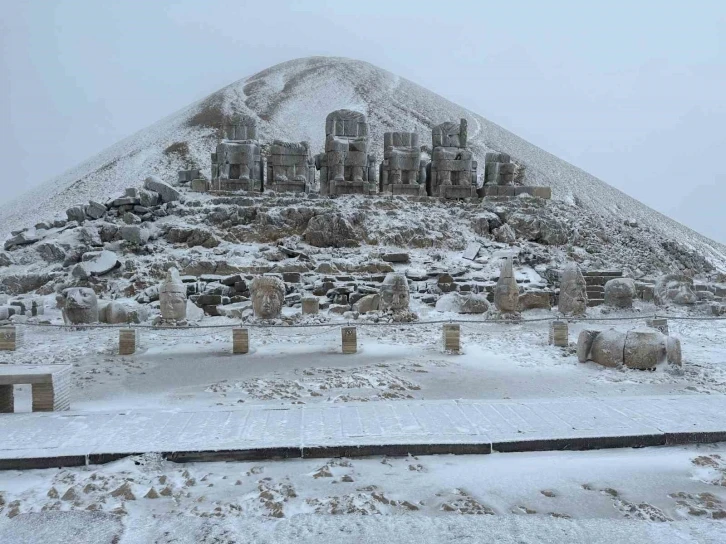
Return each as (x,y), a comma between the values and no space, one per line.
(240,341)
(10,338)
(310,305)
(127,341)
(350,339)
(451,335)
(660,323)
(7,399)
(559,334)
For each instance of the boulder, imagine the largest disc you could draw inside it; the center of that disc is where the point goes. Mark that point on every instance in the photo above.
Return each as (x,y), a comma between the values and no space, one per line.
(167,193)
(5,259)
(95,210)
(573,291)
(148,199)
(506,292)
(368,303)
(395,257)
(485,222)
(131,218)
(469,303)
(76,213)
(96,263)
(113,313)
(504,234)
(51,252)
(16,284)
(22,239)
(329,230)
(674,289)
(89,235)
(644,348)
(134,234)
(533,300)
(619,293)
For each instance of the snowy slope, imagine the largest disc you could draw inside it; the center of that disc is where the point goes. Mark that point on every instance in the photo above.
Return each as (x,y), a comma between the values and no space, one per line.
(290,101)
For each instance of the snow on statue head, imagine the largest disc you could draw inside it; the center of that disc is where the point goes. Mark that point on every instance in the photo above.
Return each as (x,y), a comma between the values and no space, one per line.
(173,297)
(268,295)
(80,306)
(394,292)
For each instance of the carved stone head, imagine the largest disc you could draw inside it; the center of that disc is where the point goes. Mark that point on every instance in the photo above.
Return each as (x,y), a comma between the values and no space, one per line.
(394,292)
(268,295)
(173,297)
(81,306)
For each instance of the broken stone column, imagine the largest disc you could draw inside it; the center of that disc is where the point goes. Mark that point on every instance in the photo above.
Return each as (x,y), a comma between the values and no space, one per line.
(452,337)
(506,292)
(237,164)
(127,341)
(290,167)
(452,171)
(346,167)
(402,171)
(349,339)
(240,340)
(573,291)
(559,334)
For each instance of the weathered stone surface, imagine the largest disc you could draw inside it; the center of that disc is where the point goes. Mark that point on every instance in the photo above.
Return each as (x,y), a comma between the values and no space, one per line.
(76,213)
(149,199)
(80,306)
(504,234)
(22,239)
(329,230)
(114,313)
(506,292)
(89,235)
(395,257)
(546,230)
(16,284)
(134,234)
(95,210)
(619,293)
(131,218)
(96,263)
(533,300)
(469,303)
(5,259)
(573,291)
(486,222)
(173,297)
(644,348)
(607,348)
(268,296)
(675,289)
(368,303)
(673,351)
(166,192)
(51,252)
(641,348)
(394,292)
(584,344)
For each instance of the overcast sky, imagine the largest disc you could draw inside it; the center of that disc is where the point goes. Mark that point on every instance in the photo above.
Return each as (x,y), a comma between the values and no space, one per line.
(634,92)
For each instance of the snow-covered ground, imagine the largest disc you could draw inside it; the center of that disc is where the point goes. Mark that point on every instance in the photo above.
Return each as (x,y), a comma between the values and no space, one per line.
(648,495)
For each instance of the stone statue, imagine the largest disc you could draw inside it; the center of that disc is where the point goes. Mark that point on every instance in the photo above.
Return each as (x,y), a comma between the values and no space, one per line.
(619,293)
(674,289)
(173,297)
(402,171)
(573,291)
(452,171)
(346,167)
(394,293)
(268,296)
(638,348)
(506,292)
(80,306)
(289,167)
(237,161)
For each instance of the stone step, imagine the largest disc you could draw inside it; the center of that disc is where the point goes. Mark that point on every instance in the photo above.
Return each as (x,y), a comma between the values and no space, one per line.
(595,301)
(609,273)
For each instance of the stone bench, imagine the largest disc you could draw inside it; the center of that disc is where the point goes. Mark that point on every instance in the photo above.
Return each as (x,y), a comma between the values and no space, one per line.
(51,385)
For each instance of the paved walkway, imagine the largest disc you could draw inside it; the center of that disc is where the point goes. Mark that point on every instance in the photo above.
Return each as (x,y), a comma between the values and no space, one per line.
(392,428)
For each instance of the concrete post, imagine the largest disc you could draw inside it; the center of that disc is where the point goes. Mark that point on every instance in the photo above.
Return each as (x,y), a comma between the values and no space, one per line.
(240,340)
(126,341)
(559,334)
(8,338)
(451,335)
(349,338)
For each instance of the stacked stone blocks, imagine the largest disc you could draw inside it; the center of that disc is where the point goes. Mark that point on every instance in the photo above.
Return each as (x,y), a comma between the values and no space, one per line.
(290,167)
(452,171)
(402,171)
(596,280)
(237,163)
(51,386)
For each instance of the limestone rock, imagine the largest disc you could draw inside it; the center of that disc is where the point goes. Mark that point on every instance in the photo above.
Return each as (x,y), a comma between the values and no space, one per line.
(148,199)
(506,292)
(329,230)
(5,259)
(22,239)
(486,222)
(619,293)
(95,210)
(76,213)
(96,263)
(395,257)
(134,234)
(573,291)
(675,289)
(89,235)
(459,303)
(532,300)
(114,313)
(166,191)
(504,234)
(644,348)
(607,348)
(51,252)
(368,303)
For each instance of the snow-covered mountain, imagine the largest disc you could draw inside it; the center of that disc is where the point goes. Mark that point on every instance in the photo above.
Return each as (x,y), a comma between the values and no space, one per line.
(290,101)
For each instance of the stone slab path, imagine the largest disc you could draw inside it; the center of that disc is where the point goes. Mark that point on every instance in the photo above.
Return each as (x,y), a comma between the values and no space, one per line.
(30,440)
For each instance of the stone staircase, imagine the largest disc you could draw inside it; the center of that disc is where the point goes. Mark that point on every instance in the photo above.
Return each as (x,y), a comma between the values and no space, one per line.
(596,280)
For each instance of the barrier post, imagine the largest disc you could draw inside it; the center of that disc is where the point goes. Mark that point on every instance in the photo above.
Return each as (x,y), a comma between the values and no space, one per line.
(126,341)
(240,340)
(659,323)
(9,338)
(451,335)
(349,338)
(559,335)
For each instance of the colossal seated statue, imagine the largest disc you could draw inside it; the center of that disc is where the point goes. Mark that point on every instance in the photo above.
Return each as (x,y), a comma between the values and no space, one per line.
(290,168)
(402,171)
(452,171)
(237,162)
(345,166)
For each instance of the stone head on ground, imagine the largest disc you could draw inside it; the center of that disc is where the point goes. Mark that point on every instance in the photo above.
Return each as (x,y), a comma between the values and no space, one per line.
(173,297)
(268,296)
(394,292)
(80,306)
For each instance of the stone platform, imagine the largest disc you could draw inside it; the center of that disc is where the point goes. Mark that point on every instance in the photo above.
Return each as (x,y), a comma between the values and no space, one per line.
(360,429)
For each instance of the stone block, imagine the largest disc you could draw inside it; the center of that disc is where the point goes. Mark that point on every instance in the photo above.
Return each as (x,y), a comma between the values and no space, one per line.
(658,323)
(200,185)
(240,340)
(542,192)
(558,334)
(451,336)
(310,306)
(127,340)
(349,339)
(9,338)
(7,399)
